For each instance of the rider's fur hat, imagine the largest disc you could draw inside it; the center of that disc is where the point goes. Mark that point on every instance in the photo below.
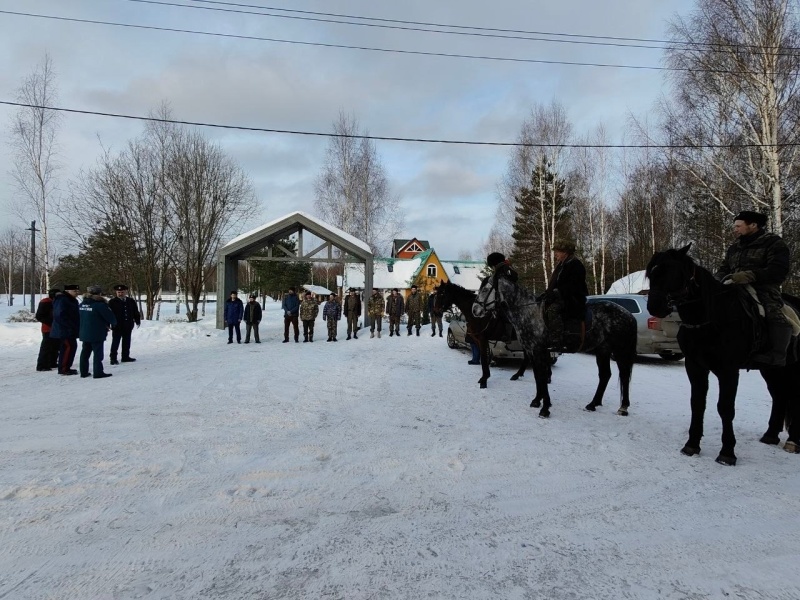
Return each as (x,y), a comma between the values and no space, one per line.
(750,216)
(564,245)
(494,259)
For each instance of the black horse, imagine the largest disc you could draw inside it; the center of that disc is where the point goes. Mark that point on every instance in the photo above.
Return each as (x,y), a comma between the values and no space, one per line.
(718,335)
(611,332)
(482,329)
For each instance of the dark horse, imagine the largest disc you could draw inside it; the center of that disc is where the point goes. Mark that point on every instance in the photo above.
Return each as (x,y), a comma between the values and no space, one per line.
(611,332)
(482,329)
(717,335)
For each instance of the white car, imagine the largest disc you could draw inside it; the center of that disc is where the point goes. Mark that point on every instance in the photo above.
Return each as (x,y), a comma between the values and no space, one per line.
(655,336)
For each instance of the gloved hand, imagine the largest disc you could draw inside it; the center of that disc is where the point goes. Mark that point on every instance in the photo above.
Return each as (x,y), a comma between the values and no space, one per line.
(740,278)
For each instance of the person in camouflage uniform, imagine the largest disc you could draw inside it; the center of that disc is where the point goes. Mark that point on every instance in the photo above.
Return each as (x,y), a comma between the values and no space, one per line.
(309,309)
(760,259)
(331,313)
(394,308)
(376,306)
(414,310)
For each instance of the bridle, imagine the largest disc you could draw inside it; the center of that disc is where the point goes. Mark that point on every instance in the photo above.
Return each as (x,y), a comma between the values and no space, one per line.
(492,298)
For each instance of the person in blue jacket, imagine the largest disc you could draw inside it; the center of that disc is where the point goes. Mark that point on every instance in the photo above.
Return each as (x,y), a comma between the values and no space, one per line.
(96,320)
(291,310)
(66,324)
(234,313)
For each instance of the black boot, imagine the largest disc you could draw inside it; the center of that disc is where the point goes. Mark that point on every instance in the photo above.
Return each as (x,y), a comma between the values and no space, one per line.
(780,334)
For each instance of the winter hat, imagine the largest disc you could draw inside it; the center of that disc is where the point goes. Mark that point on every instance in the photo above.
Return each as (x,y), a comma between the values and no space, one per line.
(120,286)
(71,287)
(95,290)
(234,292)
(308,293)
(494,259)
(564,245)
(52,293)
(750,216)
(253,296)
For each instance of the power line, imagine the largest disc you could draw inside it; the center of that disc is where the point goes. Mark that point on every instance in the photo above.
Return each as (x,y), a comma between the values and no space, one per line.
(385,138)
(714,46)
(343,46)
(421,28)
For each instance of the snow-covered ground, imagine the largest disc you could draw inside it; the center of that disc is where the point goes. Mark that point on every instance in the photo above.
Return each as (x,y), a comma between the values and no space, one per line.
(375,468)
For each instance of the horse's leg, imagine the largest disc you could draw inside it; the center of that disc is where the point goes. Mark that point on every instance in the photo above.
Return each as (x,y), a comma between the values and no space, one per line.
(698,381)
(776,381)
(483,345)
(726,407)
(625,367)
(522,367)
(541,374)
(603,361)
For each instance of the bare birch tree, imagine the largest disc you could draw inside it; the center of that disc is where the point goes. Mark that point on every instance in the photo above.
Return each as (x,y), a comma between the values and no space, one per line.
(208,196)
(33,139)
(352,190)
(736,88)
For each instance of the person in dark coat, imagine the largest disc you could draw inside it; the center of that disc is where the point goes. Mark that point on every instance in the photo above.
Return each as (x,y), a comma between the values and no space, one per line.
(331,313)
(96,320)
(435,314)
(291,311)
(252,317)
(565,298)
(234,313)
(127,314)
(761,259)
(352,310)
(66,325)
(48,349)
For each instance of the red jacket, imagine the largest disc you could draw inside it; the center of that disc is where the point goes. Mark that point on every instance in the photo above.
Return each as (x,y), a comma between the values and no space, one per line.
(44,314)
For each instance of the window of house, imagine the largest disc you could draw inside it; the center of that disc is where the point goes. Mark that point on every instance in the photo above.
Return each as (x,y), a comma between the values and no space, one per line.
(457,270)
(431,270)
(390,268)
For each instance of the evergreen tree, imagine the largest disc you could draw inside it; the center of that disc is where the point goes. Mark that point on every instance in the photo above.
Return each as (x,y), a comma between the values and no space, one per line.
(275,277)
(542,213)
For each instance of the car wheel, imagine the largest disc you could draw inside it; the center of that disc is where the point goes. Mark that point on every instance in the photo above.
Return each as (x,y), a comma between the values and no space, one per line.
(451,341)
(671,355)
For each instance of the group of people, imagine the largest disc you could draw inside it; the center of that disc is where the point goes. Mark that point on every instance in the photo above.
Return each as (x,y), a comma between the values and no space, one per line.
(306,310)
(757,258)
(65,321)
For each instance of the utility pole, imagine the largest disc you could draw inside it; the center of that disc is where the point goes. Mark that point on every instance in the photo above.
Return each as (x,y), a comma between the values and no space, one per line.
(33,231)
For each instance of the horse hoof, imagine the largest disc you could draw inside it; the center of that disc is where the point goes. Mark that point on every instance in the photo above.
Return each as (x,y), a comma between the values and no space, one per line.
(728,461)
(589,407)
(622,412)
(544,413)
(768,438)
(536,404)
(483,385)
(690,450)
(792,446)
(514,377)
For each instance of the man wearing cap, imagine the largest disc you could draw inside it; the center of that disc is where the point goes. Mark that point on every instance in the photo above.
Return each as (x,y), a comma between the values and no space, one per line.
(331,313)
(394,309)
(352,309)
(565,298)
(127,315)
(762,260)
(252,317)
(96,319)
(309,309)
(48,349)
(414,310)
(376,306)
(435,313)
(66,325)
(234,312)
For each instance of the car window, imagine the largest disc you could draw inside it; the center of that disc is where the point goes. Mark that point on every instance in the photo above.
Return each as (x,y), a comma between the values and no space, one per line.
(628,304)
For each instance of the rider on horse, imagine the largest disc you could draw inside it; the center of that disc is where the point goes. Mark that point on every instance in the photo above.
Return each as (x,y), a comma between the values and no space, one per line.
(762,260)
(565,298)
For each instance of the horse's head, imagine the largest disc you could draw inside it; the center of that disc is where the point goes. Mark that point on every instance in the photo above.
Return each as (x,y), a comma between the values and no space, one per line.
(671,274)
(488,298)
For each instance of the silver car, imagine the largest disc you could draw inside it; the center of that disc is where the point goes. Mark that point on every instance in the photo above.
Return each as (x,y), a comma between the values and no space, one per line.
(457,338)
(655,336)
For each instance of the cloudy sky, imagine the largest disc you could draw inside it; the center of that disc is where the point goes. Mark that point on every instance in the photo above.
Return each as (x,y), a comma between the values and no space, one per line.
(447,192)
